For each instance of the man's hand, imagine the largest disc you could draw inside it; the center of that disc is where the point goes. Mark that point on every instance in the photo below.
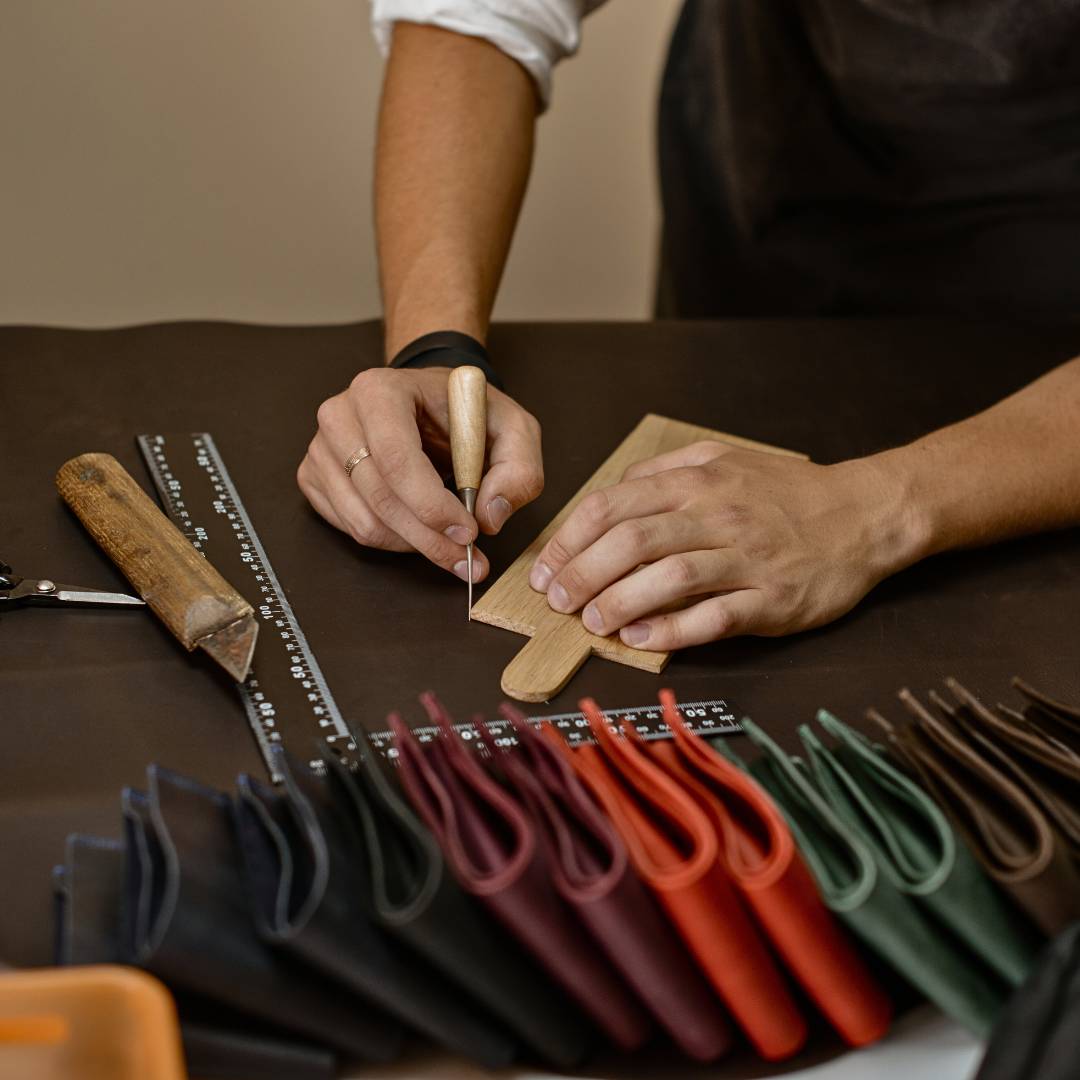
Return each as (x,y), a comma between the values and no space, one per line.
(742,542)
(396,498)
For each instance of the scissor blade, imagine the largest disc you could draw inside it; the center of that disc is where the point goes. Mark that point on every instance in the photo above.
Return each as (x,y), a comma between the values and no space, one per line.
(74,594)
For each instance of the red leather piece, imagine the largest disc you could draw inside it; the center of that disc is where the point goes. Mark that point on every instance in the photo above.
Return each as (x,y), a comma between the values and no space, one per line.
(591,870)
(760,857)
(675,849)
(491,845)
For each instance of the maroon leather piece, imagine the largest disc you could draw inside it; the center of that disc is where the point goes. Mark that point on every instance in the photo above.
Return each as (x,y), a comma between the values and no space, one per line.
(591,870)
(490,842)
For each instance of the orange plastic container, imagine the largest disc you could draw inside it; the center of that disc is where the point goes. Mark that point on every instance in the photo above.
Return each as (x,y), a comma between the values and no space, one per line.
(675,850)
(759,855)
(88,1023)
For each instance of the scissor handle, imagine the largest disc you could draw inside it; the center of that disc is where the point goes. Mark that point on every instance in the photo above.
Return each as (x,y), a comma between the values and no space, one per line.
(8,580)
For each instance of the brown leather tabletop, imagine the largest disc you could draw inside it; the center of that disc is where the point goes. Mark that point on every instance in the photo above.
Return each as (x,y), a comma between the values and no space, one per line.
(88,698)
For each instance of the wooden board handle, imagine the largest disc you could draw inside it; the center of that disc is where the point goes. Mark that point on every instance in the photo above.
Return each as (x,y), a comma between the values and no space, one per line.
(189,596)
(467,394)
(548,661)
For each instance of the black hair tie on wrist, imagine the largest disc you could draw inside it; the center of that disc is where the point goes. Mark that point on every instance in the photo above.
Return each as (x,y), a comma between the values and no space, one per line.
(447,348)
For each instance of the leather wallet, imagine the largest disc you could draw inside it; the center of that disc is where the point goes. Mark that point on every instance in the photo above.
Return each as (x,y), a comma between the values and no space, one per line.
(309,896)
(491,844)
(887,919)
(916,845)
(759,855)
(591,871)
(676,852)
(1037,1035)
(186,918)
(412,895)
(1007,831)
(218,1045)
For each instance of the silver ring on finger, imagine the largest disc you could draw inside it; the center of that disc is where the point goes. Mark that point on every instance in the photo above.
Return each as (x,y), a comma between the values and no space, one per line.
(355,458)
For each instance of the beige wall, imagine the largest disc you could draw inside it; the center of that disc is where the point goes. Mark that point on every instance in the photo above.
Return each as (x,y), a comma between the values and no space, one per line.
(212,159)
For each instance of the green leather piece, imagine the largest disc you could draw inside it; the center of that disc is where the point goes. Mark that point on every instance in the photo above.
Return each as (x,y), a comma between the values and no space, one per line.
(886,918)
(917,849)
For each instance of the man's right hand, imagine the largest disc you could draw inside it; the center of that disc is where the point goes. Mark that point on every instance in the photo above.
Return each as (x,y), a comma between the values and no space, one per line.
(396,499)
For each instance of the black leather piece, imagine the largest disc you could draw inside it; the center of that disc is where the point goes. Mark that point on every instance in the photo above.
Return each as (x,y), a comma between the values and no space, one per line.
(412,894)
(1037,1036)
(87,890)
(309,895)
(187,920)
(218,1044)
(220,1053)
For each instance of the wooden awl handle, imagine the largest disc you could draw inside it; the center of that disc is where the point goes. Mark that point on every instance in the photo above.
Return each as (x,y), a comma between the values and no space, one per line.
(468,426)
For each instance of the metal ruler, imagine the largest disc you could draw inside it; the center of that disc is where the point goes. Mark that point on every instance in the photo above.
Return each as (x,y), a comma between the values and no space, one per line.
(286,693)
(705,718)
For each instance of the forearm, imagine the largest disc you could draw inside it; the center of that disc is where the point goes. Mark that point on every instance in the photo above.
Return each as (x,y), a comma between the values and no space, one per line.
(454,149)
(1010,470)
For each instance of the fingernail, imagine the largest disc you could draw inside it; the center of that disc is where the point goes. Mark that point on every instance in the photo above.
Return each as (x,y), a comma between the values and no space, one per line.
(558,597)
(462,569)
(637,633)
(540,576)
(591,618)
(459,534)
(498,511)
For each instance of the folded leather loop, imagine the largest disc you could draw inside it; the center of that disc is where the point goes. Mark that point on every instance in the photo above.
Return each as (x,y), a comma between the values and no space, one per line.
(187,920)
(492,849)
(1064,716)
(915,842)
(1049,787)
(1008,832)
(1037,1035)
(88,891)
(592,872)
(968,991)
(1029,742)
(499,858)
(675,850)
(216,1046)
(413,896)
(888,920)
(309,897)
(759,855)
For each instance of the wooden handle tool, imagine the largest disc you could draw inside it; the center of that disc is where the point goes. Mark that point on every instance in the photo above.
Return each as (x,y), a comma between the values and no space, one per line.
(468,441)
(200,608)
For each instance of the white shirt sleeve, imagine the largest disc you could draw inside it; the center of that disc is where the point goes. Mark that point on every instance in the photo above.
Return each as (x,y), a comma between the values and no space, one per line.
(535,33)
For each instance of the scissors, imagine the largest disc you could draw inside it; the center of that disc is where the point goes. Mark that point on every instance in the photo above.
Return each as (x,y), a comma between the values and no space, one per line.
(18,591)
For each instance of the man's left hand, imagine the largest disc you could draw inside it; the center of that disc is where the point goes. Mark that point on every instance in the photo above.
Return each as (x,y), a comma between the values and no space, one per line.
(741,542)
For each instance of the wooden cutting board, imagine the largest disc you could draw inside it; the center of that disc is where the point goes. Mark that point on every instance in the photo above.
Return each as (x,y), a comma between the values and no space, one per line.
(560,643)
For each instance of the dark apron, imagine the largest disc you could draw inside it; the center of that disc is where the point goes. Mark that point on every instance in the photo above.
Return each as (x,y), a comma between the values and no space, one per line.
(846,157)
